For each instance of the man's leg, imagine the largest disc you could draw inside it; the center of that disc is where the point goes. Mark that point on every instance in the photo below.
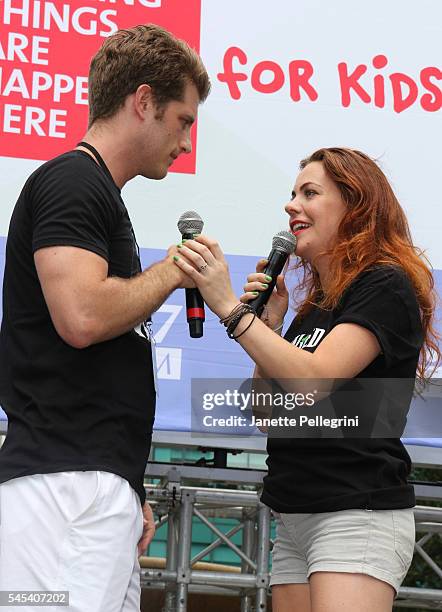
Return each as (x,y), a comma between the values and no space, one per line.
(133,594)
(70,531)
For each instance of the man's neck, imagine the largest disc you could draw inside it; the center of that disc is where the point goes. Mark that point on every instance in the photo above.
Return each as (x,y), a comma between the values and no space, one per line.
(117,159)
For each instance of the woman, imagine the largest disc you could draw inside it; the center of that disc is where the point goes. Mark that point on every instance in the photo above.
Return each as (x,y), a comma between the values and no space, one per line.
(345,527)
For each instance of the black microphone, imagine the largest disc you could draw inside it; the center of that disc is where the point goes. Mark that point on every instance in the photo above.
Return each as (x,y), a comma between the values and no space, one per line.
(283,245)
(189,224)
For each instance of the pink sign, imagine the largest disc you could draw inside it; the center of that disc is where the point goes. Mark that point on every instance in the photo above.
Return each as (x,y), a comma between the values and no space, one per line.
(45,51)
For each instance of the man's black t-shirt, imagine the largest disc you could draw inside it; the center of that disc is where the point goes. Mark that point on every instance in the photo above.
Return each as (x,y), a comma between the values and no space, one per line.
(329,474)
(71,409)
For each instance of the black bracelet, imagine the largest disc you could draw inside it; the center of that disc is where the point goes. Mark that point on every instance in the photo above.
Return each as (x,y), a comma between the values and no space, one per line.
(236,319)
(232,319)
(227,320)
(244,330)
(234,323)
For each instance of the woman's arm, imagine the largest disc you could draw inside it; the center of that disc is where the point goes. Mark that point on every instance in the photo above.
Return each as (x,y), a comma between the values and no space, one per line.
(346,351)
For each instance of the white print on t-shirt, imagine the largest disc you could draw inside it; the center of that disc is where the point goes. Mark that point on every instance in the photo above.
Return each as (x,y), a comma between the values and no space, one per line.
(144,329)
(309,340)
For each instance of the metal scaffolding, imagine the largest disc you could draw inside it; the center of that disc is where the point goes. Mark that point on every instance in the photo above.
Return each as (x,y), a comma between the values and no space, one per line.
(177,505)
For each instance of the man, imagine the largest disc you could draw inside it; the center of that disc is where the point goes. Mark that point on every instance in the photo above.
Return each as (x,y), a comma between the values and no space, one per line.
(76,375)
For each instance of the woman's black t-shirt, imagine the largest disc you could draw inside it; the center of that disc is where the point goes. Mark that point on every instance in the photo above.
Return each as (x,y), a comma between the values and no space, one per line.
(329,474)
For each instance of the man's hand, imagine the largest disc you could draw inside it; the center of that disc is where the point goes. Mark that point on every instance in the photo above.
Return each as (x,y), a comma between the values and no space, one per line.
(203,261)
(183,281)
(148,529)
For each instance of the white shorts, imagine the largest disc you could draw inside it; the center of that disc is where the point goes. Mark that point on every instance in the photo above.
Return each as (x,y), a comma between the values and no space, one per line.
(75,532)
(378,543)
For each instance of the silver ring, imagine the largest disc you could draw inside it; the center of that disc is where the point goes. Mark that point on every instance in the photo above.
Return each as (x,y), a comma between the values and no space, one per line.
(203,267)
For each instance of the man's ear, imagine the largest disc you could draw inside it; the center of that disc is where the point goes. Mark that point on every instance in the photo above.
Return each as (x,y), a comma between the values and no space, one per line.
(143,100)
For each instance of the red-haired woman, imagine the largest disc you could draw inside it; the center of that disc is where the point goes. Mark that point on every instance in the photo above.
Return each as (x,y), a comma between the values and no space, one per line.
(345,527)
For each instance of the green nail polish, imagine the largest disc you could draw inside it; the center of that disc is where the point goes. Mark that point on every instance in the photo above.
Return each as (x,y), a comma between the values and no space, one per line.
(175,258)
(184,240)
(195,235)
(269,278)
(265,286)
(255,292)
(180,246)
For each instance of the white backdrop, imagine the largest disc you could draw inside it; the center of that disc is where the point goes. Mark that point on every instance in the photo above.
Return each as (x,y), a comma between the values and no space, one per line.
(248,149)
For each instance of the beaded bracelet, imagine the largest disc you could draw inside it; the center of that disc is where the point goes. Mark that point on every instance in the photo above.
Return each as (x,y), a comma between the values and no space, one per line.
(238,308)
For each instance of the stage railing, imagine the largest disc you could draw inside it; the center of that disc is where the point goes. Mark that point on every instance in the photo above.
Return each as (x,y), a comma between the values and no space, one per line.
(178,504)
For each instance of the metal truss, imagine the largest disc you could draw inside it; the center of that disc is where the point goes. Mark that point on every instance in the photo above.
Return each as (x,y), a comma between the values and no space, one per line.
(429,522)
(183,574)
(180,505)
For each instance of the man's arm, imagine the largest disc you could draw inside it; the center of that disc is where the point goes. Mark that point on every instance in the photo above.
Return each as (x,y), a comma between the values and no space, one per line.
(87,306)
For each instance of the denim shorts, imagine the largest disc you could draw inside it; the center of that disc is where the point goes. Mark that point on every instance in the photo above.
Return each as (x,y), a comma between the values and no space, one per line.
(378,543)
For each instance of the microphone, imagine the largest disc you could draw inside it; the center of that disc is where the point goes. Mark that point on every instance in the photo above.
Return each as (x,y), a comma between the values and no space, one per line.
(190,223)
(283,245)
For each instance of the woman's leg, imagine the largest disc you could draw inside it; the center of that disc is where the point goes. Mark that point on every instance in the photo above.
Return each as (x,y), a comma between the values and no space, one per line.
(290,588)
(291,598)
(334,592)
(345,592)
(357,559)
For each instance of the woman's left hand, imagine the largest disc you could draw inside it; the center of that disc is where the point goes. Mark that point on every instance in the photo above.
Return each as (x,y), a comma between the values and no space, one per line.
(203,261)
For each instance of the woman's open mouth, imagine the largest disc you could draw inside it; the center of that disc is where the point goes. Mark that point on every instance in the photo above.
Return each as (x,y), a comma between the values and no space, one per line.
(297,228)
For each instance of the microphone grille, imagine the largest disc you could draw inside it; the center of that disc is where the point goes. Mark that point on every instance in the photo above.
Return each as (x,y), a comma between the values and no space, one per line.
(190,223)
(284,241)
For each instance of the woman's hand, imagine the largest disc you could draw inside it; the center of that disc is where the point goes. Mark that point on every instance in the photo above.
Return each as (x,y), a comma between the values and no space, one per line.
(204,263)
(276,308)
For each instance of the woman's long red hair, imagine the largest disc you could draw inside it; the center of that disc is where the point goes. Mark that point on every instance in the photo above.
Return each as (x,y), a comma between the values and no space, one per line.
(373,231)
